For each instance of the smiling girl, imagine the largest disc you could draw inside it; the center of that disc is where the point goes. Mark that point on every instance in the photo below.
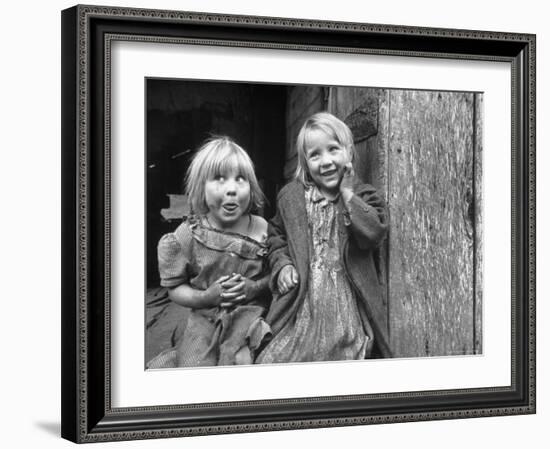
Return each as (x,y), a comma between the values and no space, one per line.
(214,262)
(328,300)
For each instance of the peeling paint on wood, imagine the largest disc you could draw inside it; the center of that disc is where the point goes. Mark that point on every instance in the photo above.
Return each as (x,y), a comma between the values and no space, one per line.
(363,121)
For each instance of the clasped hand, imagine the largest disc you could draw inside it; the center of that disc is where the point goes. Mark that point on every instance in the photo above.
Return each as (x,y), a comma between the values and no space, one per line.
(232,290)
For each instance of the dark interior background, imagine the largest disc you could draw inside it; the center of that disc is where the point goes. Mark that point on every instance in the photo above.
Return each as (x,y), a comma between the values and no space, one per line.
(182,114)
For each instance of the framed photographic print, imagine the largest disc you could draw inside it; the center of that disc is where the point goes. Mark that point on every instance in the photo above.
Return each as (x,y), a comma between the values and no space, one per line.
(279,223)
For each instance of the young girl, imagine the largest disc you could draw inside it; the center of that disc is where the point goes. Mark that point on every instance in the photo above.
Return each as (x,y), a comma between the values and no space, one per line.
(214,262)
(328,301)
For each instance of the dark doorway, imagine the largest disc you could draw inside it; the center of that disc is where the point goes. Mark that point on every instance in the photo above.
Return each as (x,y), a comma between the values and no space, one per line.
(181,115)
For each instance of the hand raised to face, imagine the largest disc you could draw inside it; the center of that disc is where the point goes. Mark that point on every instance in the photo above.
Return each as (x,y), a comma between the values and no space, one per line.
(346,185)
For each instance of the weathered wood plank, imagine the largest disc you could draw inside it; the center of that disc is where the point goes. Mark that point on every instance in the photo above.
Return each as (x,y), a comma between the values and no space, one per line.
(345,100)
(303,101)
(431,227)
(353,104)
(304,98)
(478,235)
(382,140)
(380,144)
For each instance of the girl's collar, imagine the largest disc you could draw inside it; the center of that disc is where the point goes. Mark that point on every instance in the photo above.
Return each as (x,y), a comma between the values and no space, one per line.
(211,226)
(201,222)
(316,195)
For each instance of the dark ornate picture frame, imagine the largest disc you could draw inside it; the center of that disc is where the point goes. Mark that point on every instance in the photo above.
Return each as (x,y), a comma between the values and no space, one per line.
(87,34)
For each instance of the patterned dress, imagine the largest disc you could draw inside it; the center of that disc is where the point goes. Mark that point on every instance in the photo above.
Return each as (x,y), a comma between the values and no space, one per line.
(198,255)
(328,325)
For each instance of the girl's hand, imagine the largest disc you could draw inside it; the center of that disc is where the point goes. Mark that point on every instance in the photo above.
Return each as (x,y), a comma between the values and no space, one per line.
(346,185)
(288,279)
(236,290)
(212,296)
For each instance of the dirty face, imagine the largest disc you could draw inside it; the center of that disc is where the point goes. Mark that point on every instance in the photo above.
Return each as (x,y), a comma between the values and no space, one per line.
(326,161)
(227,197)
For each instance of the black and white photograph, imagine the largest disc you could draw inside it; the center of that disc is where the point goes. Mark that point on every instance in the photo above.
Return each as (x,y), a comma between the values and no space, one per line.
(269,225)
(311,223)
(284,223)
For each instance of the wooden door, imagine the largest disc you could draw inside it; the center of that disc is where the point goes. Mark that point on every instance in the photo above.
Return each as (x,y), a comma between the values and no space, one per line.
(434,176)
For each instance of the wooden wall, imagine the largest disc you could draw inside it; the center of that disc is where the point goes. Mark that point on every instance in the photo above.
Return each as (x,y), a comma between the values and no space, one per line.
(431,190)
(422,149)
(302,101)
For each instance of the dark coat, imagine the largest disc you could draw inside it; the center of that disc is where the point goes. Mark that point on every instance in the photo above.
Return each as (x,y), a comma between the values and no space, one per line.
(362,231)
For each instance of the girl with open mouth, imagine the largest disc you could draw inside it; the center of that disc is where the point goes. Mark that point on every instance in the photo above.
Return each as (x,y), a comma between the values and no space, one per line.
(215,262)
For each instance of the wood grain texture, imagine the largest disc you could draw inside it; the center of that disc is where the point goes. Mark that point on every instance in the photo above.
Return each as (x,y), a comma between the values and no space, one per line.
(351,103)
(382,141)
(302,101)
(431,238)
(478,236)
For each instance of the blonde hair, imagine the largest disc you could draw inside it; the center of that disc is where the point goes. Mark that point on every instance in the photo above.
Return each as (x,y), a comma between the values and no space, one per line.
(332,127)
(219,155)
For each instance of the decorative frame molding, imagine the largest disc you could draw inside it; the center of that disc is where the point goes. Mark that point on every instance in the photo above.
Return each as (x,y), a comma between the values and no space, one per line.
(87,34)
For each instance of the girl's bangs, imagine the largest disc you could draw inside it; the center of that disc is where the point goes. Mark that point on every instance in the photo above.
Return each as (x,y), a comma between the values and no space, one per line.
(228,161)
(331,132)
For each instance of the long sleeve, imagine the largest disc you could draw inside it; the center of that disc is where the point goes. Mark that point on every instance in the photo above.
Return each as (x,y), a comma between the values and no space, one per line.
(368,217)
(278,255)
